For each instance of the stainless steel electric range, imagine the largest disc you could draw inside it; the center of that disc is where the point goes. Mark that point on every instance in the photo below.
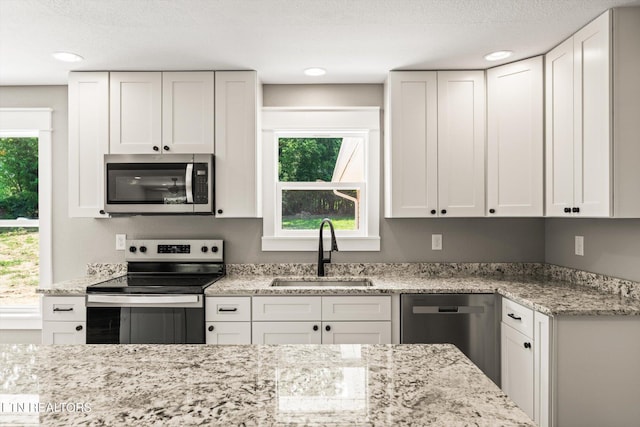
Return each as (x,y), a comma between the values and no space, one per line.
(161,299)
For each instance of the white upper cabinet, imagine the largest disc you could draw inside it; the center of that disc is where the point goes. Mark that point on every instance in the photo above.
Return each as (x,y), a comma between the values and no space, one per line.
(88,142)
(435,144)
(559,129)
(461,143)
(162,112)
(187,112)
(136,112)
(237,145)
(592,122)
(515,139)
(578,162)
(411,146)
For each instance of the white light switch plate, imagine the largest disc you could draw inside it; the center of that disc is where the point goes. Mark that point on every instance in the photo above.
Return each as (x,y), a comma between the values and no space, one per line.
(436,242)
(121,242)
(580,245)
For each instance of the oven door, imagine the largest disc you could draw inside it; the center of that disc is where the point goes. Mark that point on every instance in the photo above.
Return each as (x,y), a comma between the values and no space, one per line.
(158,184)
(145,319)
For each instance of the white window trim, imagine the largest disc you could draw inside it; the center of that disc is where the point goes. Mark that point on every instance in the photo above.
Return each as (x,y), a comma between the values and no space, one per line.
(330,121)
(33,122)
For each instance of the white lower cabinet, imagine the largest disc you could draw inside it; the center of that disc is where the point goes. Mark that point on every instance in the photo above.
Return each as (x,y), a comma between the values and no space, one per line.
(517,368)
(326,320)
(525,359)
(64,332)
(286,332)
(64,320)
(356,332)
(228,320)
(228,332)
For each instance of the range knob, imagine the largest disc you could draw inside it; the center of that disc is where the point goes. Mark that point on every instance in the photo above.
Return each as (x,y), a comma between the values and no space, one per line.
(132,249)
(143,249)
(204,249)
(214,249)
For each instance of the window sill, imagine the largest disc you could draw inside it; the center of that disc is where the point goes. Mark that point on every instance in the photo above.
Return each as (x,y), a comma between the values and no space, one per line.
(310,244)
(20,318)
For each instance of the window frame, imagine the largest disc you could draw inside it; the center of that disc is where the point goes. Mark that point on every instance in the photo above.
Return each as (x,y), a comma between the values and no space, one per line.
(33,122)
(288,122)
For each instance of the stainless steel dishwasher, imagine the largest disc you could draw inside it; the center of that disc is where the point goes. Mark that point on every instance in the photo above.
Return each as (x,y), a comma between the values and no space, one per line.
(469,321)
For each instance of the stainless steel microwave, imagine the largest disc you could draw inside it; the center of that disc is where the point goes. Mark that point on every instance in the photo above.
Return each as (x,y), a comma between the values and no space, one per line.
(159,184)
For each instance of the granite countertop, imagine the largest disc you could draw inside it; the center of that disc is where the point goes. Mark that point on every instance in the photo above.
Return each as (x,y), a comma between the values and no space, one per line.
(553,298)
(248,386)
(523,283)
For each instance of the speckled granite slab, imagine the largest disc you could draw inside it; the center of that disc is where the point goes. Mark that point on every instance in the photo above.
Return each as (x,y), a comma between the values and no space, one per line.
(96,273)
(549,297)
(179,385)
(625,288)
(420,269)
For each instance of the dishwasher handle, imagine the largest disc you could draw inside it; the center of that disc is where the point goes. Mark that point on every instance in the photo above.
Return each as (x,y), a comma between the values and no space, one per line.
(447,309)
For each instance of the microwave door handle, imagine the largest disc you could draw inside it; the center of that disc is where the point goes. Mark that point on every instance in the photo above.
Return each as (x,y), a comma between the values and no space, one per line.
(188,179)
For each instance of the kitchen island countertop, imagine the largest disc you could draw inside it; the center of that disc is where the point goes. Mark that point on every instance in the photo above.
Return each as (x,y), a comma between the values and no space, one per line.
(249,385)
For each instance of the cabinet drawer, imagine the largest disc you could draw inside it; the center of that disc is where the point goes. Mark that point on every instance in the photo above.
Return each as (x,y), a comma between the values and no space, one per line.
(286,308)
(518,317)
(356,308)
(64,309)
(228,309)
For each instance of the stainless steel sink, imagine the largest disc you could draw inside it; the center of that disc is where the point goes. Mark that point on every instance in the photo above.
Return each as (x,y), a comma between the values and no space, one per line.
(328,283)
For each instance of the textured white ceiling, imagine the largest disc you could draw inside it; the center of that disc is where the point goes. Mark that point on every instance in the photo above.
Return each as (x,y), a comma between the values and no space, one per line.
(357,41)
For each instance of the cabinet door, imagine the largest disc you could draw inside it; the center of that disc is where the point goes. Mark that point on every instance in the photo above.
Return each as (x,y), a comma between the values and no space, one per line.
(592,106)
(411,145)
(542,370)
(286,333)
(461,143)
(228,332)
(88,142)
(64,332)
(515,139)
(236,145)
(356,332)
(559,129)
(517,368)
(136,112)
(187,112)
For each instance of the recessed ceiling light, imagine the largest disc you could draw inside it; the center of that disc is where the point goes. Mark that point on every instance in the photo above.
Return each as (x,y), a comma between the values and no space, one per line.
(67,57)
(315,71)
(498,55)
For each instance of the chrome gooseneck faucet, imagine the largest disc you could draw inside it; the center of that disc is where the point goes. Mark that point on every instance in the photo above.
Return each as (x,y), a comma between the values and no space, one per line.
(334,246)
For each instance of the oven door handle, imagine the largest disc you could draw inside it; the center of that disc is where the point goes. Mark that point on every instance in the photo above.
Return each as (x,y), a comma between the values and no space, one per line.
(188,180)
(143,300)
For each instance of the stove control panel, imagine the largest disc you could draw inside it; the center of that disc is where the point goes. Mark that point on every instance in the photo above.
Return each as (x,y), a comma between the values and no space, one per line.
(175,250)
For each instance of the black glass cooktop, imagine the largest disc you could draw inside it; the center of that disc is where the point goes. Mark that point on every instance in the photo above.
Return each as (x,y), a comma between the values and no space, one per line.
(155,284)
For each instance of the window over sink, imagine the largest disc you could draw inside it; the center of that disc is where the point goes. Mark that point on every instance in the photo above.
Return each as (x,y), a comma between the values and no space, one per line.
(321,163)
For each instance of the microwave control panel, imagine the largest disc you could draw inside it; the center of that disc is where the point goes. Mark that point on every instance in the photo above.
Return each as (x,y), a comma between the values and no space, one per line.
(200,184)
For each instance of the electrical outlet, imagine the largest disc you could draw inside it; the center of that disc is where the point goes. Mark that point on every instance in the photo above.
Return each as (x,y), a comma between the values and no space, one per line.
(579,245)
(436,242)
(121,242)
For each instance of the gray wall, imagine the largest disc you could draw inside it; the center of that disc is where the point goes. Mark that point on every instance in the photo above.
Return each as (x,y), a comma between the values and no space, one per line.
(77,241)
(611,246)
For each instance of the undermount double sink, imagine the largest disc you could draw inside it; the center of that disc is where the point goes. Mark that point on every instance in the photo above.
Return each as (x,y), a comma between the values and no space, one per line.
(327,283)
